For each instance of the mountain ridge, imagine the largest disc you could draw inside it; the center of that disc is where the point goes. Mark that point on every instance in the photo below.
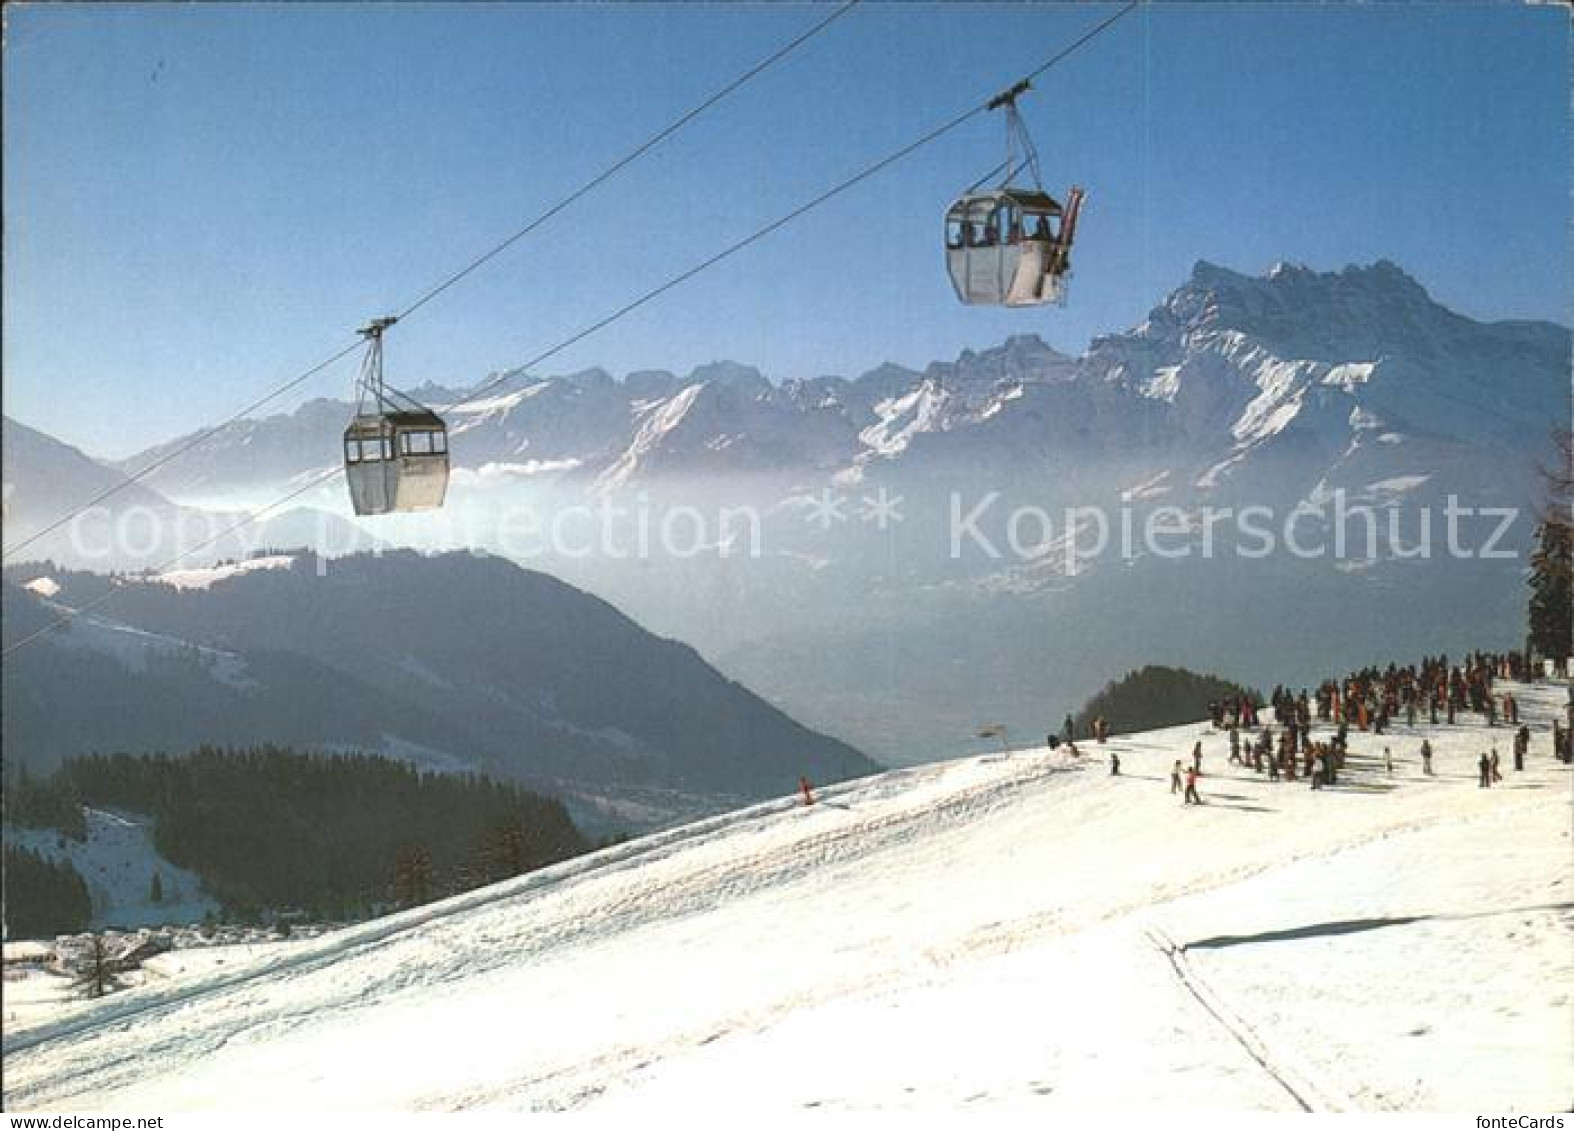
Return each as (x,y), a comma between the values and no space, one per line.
(1225,360)
(455,660)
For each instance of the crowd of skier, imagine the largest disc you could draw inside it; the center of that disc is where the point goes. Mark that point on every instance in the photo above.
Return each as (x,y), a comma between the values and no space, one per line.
(1304,736)
(1374,700)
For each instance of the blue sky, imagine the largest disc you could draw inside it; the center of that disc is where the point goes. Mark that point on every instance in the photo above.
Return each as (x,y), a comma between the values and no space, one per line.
(203,200)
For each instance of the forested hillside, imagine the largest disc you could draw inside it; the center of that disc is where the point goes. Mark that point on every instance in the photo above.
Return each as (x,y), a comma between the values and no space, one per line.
(1156,696)
(271,829)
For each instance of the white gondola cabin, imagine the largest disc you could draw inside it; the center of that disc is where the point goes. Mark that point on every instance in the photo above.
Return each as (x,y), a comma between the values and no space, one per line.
(395,449)
(396,461)
(1011,245)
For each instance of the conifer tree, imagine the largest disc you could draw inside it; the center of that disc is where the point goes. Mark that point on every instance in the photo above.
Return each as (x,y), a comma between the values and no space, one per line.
(97,976)
(1551,579)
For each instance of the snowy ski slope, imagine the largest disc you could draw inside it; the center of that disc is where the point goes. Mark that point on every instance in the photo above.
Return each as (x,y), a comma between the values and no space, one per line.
(118,860)
(998,932)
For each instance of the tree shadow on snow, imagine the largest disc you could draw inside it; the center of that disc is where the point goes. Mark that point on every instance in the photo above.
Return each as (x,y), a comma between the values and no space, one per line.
(1355,926)
(1238,807)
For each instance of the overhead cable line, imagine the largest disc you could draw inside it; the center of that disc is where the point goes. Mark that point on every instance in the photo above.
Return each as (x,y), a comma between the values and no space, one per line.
(627,308)
(205,434)
(781,221)
(72,614)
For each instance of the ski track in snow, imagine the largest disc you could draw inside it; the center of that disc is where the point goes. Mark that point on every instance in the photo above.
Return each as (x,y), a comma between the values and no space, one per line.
(999,931)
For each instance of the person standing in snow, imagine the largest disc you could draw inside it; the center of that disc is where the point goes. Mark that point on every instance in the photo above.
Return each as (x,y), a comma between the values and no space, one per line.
(1235,746)
(807,790)
(1114,765)
(1319,771)
(1175,777)
(1388,759)
(1196,757)
(1485,766)
(1191,797)
(1426,756)
(1496,774)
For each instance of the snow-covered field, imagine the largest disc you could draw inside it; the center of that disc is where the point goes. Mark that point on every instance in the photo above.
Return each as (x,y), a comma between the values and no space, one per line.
(1000,932)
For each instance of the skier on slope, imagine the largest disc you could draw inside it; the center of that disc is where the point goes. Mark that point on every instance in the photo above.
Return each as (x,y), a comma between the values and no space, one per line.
(1426,756)
(1191,797)
(1485,767)
(1175,777)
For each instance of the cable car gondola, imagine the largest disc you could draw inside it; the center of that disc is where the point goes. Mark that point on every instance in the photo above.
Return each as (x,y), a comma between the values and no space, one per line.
(1011,245)
(395,449)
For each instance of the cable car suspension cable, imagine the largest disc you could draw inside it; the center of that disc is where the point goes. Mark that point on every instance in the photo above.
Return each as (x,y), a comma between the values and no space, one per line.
(72,614)
(205,434)
(633,155)
(602,323)
(782,221)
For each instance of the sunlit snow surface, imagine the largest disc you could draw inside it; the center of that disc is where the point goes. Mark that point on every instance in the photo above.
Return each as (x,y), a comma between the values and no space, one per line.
(204,578)
(993,933)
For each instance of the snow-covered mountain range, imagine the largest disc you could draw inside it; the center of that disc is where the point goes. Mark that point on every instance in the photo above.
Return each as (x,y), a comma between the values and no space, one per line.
(1355,379)
(1293,387)
(113,522)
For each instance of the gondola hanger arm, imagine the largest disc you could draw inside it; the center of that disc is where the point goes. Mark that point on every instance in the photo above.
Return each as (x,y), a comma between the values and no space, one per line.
(1009,96)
